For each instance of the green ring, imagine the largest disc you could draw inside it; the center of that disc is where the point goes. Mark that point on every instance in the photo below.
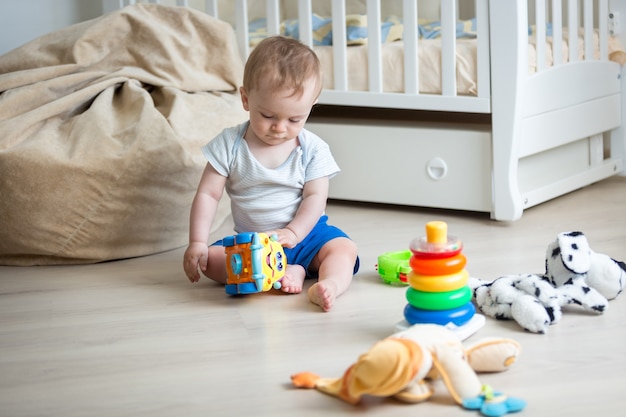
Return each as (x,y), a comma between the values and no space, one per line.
(438,300)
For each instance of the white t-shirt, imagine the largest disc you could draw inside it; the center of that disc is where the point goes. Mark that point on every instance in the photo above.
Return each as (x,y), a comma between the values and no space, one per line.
(263,199)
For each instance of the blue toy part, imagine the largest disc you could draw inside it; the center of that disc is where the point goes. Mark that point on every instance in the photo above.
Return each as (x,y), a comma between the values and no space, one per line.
(493,404)
(236,264)
(255,259)
(457,316)
(243,288)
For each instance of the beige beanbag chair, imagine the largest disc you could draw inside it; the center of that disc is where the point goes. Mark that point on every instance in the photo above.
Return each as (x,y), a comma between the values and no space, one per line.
(101,126)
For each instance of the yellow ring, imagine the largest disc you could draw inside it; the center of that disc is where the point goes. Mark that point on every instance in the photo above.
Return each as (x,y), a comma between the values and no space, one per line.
(440,283)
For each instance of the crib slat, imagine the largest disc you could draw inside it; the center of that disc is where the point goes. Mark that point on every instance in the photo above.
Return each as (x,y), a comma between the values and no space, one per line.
(603,13)
(211,8)
(340,66)
(572,23)
(273,17)
(483,76)
(374,55)
(411,48)
(540,34)
(448,47)
(305,16)
(557,32)
(241,26)
(588,28)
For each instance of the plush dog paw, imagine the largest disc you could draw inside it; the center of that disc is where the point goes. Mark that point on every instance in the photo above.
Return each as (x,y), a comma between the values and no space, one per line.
(533,316)
(526,298)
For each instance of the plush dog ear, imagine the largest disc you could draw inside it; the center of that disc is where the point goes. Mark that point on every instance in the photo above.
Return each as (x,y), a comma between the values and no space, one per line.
(575,251)
(567,258)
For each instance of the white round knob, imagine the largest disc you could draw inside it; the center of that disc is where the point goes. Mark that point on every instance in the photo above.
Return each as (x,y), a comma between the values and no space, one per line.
(437,168)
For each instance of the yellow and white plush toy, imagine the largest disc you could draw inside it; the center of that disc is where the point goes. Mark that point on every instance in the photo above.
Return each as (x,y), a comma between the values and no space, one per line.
(401,366)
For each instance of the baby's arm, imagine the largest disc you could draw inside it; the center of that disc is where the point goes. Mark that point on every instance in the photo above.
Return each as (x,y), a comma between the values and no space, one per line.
(203,211)
(314,196)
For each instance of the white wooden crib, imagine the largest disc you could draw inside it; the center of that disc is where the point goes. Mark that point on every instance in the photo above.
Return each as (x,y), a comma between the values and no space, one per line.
(496,123)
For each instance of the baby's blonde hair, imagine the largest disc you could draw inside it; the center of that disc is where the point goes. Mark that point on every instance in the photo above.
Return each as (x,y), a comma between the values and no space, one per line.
(280,63)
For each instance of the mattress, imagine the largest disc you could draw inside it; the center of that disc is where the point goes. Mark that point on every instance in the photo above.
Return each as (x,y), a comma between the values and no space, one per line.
(430,64)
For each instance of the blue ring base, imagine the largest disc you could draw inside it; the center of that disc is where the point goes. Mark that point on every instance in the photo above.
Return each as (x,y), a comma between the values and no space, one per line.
(457,316)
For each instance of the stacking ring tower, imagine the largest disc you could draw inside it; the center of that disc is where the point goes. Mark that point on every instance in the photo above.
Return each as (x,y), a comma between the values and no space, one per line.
(438,292)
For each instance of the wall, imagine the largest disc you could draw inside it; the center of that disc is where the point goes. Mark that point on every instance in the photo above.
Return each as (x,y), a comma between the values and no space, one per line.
(24,20)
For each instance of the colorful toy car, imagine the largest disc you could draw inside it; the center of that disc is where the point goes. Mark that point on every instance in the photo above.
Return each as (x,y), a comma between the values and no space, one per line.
(393,267)
(255,262)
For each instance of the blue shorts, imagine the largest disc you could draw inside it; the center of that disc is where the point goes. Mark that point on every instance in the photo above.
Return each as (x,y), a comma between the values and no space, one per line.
(304,252)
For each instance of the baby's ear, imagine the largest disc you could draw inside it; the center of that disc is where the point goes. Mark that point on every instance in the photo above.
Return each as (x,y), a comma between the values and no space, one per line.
(244,98)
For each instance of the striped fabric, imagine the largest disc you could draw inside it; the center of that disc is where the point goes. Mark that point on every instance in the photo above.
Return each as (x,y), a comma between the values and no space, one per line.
(356,29)
(262,198)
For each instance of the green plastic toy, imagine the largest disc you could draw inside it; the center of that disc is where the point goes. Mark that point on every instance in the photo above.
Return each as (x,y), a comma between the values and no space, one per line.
(393,267)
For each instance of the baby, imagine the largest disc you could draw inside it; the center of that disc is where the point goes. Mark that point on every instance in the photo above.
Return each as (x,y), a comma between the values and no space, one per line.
(276,174)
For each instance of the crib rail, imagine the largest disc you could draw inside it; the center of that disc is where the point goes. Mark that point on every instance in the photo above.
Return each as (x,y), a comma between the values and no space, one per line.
(448,100)
(570,99)
(563,17)
(549,13)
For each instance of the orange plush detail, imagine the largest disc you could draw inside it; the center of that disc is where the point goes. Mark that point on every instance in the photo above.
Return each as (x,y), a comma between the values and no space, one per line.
(304,380)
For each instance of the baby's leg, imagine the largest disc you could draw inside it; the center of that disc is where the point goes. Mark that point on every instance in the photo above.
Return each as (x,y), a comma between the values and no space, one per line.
(216,265)
(335,266)
(293,280)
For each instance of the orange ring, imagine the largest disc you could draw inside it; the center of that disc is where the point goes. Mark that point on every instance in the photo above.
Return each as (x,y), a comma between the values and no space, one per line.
(440,283)
(441,266)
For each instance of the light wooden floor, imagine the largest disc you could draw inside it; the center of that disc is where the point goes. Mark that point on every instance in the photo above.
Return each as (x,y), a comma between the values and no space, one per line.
(135,338)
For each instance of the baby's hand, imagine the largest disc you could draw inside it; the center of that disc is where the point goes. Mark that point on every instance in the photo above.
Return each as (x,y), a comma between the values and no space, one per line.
(196,256)
(285,237)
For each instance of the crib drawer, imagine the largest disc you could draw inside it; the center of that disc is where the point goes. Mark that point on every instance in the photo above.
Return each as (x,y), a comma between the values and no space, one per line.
(417,164)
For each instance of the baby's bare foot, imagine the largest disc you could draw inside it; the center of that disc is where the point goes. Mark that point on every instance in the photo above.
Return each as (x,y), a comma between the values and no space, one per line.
(293,280)
(323,294)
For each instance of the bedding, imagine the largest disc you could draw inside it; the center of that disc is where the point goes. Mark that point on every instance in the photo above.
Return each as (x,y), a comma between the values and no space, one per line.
(393,51)
(101,125)
(356,29)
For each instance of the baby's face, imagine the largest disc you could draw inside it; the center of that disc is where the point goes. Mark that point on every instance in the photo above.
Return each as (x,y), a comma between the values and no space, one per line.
(279,115)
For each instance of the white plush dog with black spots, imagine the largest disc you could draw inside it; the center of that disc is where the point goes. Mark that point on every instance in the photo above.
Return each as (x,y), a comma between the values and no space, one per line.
(575,275)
